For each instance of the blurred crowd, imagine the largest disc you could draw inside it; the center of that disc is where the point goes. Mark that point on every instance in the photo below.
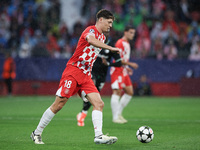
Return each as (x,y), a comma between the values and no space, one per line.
(165,29)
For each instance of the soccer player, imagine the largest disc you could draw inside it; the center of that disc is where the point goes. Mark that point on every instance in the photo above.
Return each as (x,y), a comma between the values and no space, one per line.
(99,72)
(77,78)
(120,79)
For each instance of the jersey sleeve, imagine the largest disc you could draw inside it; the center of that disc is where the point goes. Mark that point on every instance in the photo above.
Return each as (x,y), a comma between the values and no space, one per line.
(117,57)
(87,32)
(117,60)
(119,44)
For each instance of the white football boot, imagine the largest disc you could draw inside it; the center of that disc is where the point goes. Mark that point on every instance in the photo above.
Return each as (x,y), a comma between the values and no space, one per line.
(104,139)
(123,119)
(37,139)
(119,121)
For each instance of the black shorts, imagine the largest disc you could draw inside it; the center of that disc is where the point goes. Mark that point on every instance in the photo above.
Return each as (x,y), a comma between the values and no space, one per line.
(99,81)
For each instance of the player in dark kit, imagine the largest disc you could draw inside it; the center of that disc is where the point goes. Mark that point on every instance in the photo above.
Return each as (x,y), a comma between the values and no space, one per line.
(99,72)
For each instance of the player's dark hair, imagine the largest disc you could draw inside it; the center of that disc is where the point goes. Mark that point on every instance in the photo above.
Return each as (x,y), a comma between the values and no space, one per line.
(105,14)
(127,28)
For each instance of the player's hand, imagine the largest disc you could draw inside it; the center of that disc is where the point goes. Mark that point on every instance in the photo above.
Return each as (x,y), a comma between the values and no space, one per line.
(104,61)
(134,65)
(115,49)
(130,71)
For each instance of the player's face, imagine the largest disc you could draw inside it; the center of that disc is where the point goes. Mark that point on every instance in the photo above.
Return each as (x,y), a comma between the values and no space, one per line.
(130,34)
(106,24)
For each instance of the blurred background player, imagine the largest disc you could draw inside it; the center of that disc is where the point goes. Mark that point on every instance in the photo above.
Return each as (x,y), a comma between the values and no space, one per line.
(9,72)
(99,72)
(120,79)
(77,78)
(143,86)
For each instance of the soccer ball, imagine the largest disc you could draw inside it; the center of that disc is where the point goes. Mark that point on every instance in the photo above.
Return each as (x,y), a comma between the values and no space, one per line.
(144,134)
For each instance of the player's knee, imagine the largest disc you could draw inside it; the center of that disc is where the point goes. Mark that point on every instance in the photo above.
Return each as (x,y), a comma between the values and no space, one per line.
(117,92)
(99,105)
(56,108)
(58,104)
(59,107)
(130,93)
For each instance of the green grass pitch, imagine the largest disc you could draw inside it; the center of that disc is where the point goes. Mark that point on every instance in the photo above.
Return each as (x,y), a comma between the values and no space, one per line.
(175,122)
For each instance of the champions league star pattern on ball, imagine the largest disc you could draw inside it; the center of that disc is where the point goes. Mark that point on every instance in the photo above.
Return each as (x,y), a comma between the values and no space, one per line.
(145,134)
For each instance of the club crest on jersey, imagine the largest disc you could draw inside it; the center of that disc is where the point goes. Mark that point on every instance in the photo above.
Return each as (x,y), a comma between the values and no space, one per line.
(66,91)
(91,31)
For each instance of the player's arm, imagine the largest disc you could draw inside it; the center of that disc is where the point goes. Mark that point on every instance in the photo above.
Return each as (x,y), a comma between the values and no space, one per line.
(117,62)
(131,64)
(93,41)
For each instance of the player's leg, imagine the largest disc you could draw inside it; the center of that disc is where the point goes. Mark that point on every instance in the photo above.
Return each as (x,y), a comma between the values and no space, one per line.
(125,99)
(10,86)
(99,83)
(82,115)
(86,105)
(97,119)
(116,82)
(46,118)
(67,88)
(115,105)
